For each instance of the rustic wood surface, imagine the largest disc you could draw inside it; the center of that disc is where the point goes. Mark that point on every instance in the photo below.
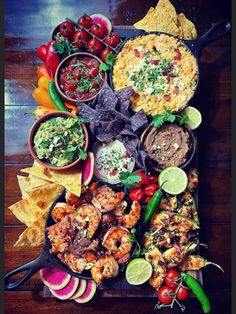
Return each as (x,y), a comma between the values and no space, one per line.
(29,24)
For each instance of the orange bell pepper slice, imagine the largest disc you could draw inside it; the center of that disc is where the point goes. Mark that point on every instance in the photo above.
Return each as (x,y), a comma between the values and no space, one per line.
(41,96)
(73,108)
(42,71)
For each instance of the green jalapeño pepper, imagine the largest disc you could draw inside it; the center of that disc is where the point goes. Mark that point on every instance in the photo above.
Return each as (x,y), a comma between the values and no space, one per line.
(152,206)
(56,100)
(198,291)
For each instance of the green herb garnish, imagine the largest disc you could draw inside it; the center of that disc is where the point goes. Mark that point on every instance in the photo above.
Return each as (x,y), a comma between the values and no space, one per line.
(129,179)
(110,61)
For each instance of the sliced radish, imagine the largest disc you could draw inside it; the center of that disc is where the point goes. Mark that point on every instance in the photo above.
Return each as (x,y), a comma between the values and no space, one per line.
(54,278)
(88,167)
(81,289)
(100,18)
(68,291)
(89,293)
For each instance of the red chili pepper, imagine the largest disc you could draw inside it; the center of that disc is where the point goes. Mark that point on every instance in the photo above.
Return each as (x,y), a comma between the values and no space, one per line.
(152,179)
(147,199)
(52,59)
(143,180)
(41,52)
(136,195)
(150,189)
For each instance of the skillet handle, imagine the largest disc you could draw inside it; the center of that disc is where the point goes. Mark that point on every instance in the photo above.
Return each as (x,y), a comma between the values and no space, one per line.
(217,30)
(32,267)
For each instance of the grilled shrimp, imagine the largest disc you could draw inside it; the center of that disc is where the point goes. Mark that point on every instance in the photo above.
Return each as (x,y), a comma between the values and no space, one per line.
(120,209)
(73,262)
(76,201)
(104,268)
(155,257)
(87,217)
(192,179)
(59,235)
(61,210)
(131,219)
(105,199)
(117,241)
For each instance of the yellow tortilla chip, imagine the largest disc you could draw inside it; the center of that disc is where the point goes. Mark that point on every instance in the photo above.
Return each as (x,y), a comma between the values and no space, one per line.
(187,29)
(39,200)
(70,178)
(148,22)
(42,198)
(26,183)
(33,236)
(24,211)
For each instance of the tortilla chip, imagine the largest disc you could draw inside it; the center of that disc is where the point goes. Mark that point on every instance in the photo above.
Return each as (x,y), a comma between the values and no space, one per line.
(24,211)
(165,19)
(70,178)
(26,183)
(187,29)
(148,22)
(42,198)
(33,236)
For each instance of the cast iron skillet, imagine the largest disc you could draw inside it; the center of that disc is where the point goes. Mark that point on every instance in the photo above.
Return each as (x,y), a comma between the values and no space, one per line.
(195,47)
(46,259)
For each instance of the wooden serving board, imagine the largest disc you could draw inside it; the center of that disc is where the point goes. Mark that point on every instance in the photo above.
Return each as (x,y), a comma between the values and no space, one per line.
(119,287)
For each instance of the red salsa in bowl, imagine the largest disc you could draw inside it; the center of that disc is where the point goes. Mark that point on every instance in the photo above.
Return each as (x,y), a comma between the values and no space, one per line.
(78,77)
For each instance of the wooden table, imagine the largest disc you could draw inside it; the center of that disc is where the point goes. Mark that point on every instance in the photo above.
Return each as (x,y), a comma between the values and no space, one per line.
(28,24)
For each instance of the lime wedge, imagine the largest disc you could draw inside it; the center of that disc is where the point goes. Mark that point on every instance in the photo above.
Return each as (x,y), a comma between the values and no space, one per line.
(173,180)
(138,271)
(194,117)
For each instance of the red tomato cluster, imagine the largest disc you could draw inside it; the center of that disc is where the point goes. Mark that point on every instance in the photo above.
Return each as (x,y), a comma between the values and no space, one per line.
(171,288)
(146,188)
(87,39)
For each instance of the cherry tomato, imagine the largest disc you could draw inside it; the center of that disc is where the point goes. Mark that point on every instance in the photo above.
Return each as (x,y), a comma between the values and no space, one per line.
(95,46)
(165,294)
(172,278)
(93,72)
(143,180)
(182,293)
(71,86)
(99,30)
(104,53)
(85,21)
(67,29)
(136,195)
(150,189)
(152,179)
(147,199)
(112,39)
(81,38)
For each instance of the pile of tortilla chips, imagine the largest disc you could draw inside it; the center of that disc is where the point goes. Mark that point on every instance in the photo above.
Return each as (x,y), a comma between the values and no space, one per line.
(163,18)
(39,191)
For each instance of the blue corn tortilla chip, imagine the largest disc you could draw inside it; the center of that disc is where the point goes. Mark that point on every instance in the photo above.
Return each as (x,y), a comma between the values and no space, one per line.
(138,121)
(106,99)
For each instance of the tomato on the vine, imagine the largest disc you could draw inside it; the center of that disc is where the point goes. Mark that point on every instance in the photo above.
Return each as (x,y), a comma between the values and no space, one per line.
(150,189)
(136,195)
(182,294)
(85,21)
(81,38)
(105,52)
(165,294)
(172,278)
(143,179)
(112,39)
(99,30)
(95,46)
(67,29)
(152,179)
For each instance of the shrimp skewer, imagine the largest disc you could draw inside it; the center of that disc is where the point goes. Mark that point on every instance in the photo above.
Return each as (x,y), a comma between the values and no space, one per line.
(131,219)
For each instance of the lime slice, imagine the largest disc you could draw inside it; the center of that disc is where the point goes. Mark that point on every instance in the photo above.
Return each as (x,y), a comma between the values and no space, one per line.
(194,117)
(173,180)
(138,271)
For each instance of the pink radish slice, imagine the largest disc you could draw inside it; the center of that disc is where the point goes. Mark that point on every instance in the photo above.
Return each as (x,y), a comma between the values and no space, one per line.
(54,278)
(89,293)
(68,291)
(88,168)
(99,18)
(81,289)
